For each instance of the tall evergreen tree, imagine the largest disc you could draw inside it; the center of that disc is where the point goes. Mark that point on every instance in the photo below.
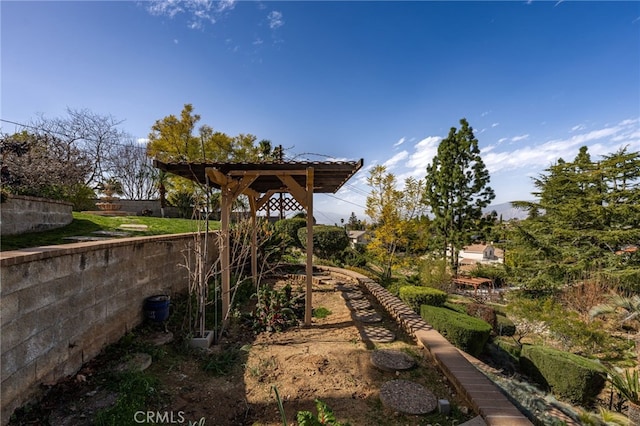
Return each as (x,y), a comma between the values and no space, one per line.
(457,190)
(587,212)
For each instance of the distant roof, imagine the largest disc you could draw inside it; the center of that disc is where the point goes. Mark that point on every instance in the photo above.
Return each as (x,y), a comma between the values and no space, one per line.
(476,248)
(356,234)
(328,176)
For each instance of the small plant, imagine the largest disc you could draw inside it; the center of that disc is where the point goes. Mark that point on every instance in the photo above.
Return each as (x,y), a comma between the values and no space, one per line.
(321,312)
(627,383)
(276,310)
(307,418)
(325,416)
(222,363)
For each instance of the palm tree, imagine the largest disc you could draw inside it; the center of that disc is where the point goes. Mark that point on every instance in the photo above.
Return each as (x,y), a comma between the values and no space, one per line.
(626,308)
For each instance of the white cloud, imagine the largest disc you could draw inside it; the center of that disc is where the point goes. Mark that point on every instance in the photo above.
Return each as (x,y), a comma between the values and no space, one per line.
(519,138)
(400,142)
(425,150)
(198,12)
(502,140)
(391,162)
(578,128)
(484,114)
(495,124)
(599,142)
(275,19)
(257,41)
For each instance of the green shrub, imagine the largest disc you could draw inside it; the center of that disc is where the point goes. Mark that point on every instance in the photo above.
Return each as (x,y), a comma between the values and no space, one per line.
(504,326)
(465,332)
(287,229)
(455,306)
(566,375)
(415,296)
(510,347)
(328,241)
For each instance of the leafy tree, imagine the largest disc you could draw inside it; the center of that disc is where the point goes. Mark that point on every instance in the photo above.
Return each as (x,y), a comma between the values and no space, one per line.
(457,190)
(43,165)
(174,139)
(395,215)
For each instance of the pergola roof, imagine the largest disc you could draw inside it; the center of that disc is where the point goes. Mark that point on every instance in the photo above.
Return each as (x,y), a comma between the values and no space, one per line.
(329,176)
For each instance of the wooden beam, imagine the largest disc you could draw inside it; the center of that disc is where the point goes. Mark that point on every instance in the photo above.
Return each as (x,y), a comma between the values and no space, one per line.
(296,191)
(239,187)
(217,177)
(262,200)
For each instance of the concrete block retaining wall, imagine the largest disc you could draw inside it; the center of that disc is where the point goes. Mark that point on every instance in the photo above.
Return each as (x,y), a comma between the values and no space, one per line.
(61,305)
(20,214)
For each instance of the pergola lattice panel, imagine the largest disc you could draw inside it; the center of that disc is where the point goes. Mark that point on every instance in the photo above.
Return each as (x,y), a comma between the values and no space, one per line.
(276,204)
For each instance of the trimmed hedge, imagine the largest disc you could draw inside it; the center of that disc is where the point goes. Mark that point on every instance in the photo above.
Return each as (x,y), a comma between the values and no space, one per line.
(456,306)
(416,296)
(568,376)
(328,241)
(513,349)
(504,326)
(463,331)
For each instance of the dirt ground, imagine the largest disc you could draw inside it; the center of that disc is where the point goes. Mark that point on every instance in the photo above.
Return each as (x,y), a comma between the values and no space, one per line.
(329,361)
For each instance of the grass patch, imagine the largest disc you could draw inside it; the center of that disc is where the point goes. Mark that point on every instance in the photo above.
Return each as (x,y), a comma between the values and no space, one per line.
(321,312)
(137,391)
(85,224)
(222,363)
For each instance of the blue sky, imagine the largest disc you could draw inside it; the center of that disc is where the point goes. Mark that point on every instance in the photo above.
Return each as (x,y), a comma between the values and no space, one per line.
(382,81)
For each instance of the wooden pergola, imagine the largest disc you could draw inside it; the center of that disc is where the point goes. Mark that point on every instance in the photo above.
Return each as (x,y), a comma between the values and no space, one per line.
(473,282)
(259,182)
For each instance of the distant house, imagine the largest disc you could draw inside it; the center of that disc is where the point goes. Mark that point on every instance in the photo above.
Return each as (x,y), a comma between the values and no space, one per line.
(358,238)
(480,253)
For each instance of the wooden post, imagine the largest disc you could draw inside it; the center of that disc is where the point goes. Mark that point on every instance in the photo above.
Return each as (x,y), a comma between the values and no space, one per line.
(225,254)
(254,241)
(309,195)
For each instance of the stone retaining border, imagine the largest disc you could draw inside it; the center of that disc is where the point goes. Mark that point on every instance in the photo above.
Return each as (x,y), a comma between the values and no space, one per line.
(484,396)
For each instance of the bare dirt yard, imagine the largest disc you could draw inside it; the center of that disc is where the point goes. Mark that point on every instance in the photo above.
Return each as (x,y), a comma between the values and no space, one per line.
(235,383)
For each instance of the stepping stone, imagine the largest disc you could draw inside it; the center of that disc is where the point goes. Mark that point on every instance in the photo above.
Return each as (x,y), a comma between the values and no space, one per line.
(390,360)
(353,295)
(407,397)
(134,226)
(358,305)
(138,362)
(367,316)
(378,334)
(160,338)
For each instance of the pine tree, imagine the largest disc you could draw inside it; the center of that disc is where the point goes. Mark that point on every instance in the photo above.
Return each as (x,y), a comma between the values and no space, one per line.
(587,212)
(457,190)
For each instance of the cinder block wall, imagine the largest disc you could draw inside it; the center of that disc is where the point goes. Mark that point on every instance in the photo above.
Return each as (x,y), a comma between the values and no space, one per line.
(20,214)
(61,305)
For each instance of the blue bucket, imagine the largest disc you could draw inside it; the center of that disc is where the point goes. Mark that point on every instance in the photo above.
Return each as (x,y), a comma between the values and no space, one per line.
(156,308)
